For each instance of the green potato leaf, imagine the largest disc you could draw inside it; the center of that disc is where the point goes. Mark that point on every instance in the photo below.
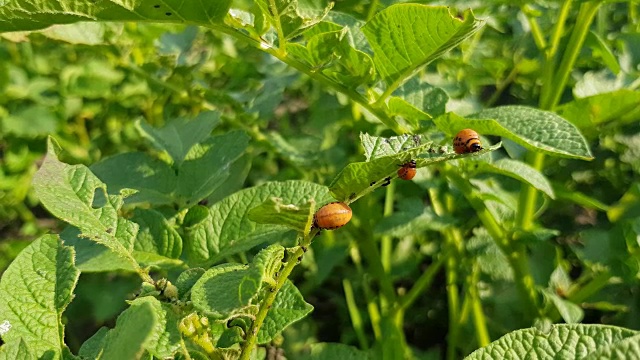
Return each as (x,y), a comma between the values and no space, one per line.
(179,135)
(558,342)
(28,15)
(133,333)
(274,211)
(287,308)
(291,17)
(620,350)
(225,290)
(225,228)
(590,113)
(74,194)
(360,178)
(405,37)
(519,171)
(34,292)
(416,100)
(332,53)
(206,166)
(535,129)
(156,235)
(16,350)
(153,179)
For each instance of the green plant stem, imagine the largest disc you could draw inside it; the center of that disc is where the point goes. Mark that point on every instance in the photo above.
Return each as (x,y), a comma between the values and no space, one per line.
(372,309)
(528,195)
(252,335)
(372,306)
(588,11)
(516,254)
(594,286)
(479,320)
(558,29)
(452,244)
(184,351)
(385,242)
(553,88)
(634,18)
(422,284)
(501,86)
(550,52)
(370,251)
(354,313)
(602,20)
(453,293)
(538,38)
(282,41)
(373,8)
(464,309)
(391,88)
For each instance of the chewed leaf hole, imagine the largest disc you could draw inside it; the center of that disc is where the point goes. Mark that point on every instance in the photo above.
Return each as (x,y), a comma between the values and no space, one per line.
(99,198)
(5,327)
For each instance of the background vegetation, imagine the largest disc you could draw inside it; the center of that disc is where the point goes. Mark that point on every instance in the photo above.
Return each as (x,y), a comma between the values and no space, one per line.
(543,230)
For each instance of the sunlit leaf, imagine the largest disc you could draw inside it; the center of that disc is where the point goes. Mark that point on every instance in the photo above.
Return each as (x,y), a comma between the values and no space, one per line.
(405,37)
(532,128)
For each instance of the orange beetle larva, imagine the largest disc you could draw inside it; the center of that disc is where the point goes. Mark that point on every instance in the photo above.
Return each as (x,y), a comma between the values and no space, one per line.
(332,216)
(466,141)
(407,171)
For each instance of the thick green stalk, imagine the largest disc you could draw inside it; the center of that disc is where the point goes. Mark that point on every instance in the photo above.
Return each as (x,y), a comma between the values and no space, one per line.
(479,320)
(386,246)
(538,37)
(452,245)
(354,313)
(553,87)
(372,305)
(594,286)
(588,11)
(373,8)
(252,335)
(558,28)
(265,305)
(452,242)
(373,310)
(634,14)
(551,51)
(273,7)
(516,255)
(528,195)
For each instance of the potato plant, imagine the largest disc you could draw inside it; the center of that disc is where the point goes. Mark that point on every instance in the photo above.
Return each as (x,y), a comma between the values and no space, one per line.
(184,149)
